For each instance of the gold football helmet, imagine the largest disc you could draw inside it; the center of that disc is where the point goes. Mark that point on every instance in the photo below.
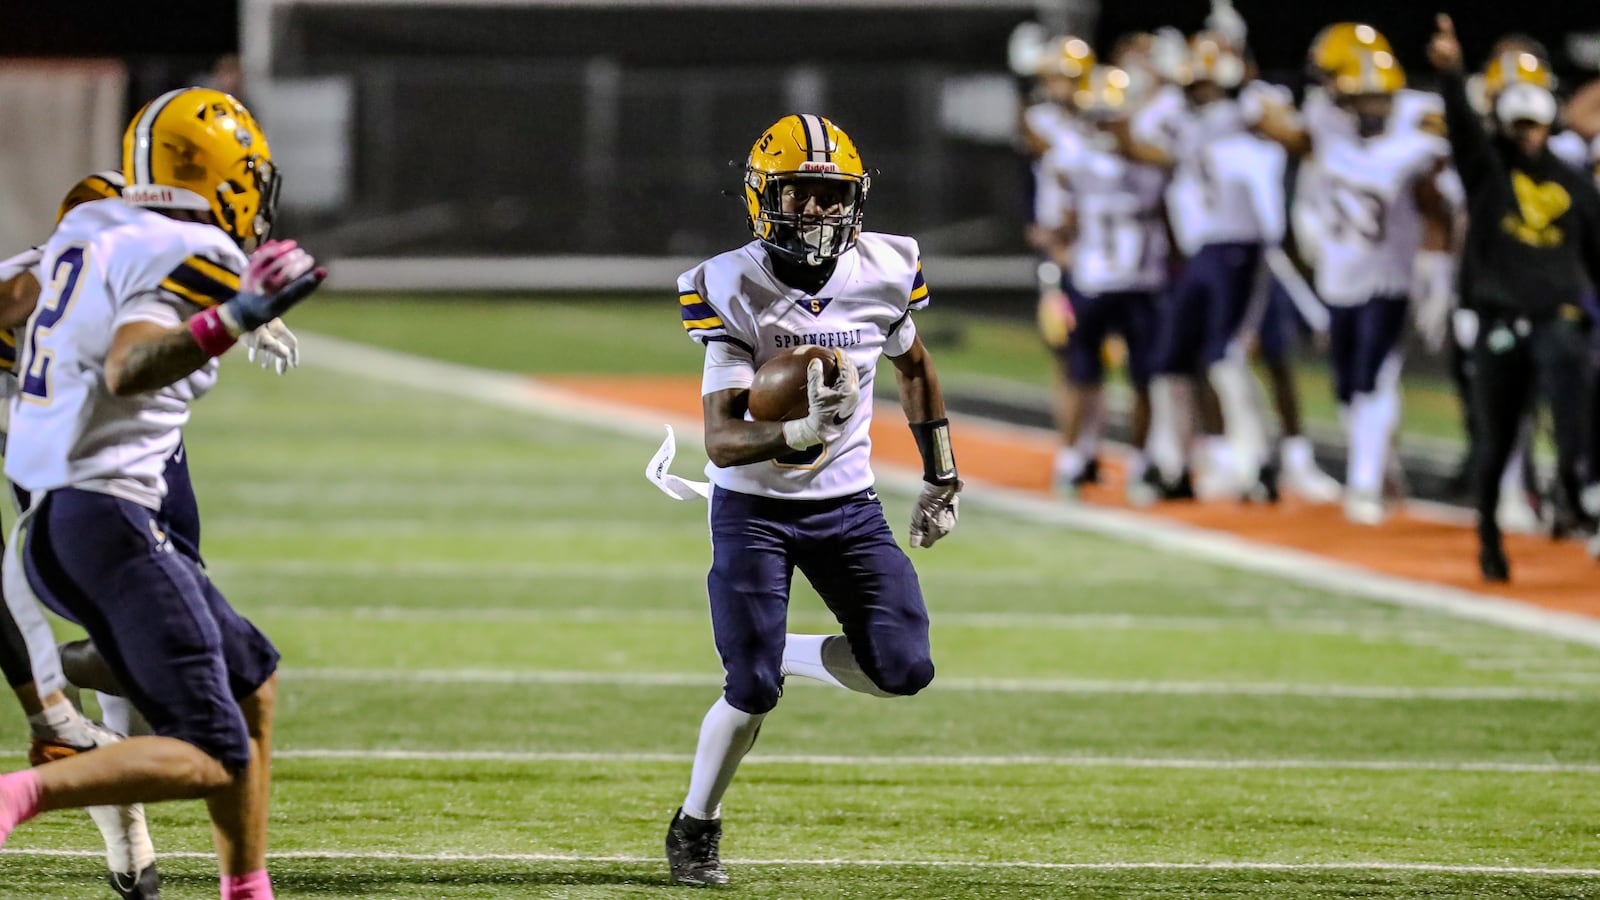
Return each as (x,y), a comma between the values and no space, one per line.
(1067,57)
(1335,49)
(200,149)
(799,152)
(99,186)
(1106,94)
(1366,71)
(1516,66)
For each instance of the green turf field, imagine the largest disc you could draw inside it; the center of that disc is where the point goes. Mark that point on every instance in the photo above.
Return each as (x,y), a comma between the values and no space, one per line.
(496,657)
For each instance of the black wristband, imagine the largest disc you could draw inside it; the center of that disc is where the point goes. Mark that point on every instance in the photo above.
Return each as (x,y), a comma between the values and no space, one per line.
(938,457)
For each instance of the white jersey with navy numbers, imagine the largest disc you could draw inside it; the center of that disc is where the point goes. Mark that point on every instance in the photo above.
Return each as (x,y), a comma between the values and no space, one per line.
(1371,227)
(1121,242)
(745,316)
(1228,183)
(107,265)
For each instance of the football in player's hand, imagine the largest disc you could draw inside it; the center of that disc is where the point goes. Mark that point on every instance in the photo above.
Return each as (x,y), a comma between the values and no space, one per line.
(779,392)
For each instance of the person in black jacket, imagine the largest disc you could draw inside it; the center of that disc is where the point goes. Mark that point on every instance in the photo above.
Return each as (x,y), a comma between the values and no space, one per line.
(1533,245)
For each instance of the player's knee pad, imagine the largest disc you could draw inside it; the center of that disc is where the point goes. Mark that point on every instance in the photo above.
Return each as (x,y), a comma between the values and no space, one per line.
(753,692)
(906,678)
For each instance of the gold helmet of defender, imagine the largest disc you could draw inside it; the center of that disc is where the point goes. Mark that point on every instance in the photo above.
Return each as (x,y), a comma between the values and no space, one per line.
(1516,66)
(199,149)
(1337,46)
(797,149)
(99,186)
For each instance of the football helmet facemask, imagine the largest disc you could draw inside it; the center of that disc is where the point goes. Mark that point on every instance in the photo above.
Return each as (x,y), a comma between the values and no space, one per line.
(200,149)
(790,159)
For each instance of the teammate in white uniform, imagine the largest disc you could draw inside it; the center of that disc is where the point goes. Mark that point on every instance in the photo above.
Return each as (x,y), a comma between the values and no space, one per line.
(143,294)
(1225,205)
(799,493)
(1381,228)
(1118,262)
(59,729)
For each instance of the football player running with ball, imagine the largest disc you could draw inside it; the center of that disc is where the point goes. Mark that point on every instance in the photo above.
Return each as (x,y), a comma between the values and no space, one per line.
(799,493)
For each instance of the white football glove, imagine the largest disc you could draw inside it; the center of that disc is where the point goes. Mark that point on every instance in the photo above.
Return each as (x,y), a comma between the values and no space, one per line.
(828,409)
(935,514)
(277,346)
(1433,275)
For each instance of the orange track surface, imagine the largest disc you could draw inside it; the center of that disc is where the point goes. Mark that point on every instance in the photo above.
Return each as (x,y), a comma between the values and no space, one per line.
(1552,575)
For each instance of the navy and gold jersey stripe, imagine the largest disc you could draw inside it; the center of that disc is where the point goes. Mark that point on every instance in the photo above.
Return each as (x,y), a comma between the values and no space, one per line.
(919,289)
(202,282)
(8,351)
(698,315)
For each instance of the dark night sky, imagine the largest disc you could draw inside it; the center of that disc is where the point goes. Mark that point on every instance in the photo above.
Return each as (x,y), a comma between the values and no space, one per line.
(1280,29)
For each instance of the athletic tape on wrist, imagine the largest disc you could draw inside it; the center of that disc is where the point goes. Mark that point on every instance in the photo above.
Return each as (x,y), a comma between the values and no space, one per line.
(211,332)
(938,457)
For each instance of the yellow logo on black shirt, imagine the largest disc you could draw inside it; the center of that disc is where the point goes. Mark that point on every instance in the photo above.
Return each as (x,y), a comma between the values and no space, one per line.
(1539,204)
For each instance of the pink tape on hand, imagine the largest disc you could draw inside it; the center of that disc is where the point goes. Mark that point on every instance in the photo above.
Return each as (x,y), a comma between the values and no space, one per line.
(211,332)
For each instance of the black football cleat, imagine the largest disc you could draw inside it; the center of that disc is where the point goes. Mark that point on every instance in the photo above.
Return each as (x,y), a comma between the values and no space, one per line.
(143,885)
(1493,564)
(693,847)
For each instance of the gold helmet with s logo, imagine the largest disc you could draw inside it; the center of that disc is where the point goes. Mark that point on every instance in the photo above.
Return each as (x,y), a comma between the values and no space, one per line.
(200,149)
(805,189)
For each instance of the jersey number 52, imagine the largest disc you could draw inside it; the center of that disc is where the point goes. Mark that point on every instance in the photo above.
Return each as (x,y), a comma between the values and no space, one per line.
(64,274)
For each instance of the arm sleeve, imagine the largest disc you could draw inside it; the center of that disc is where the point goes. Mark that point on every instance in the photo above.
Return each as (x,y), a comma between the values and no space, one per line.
(728,367)
(1469,144)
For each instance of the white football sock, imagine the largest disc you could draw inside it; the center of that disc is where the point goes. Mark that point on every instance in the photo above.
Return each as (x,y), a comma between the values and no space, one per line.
(726,735)
(116,713)
(827,658)
(1297,454)
(1241,414)
(1166,439)
(1372,423)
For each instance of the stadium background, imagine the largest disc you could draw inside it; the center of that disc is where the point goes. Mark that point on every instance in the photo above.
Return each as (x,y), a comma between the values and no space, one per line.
(496,652)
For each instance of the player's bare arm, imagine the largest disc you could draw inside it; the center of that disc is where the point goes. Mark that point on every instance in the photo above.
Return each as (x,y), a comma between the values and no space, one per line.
(1582,112)
(919,384)
(1135,149)
(145,356)
(17,298)
(733,441)
(1277,124)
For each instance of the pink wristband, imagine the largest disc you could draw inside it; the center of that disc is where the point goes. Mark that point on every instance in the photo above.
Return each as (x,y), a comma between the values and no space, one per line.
(210,332)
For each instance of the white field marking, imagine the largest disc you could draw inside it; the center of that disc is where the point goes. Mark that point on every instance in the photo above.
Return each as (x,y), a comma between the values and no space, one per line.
(976,761)
(1022,760)
(976,685)
(1215,866)
(519,392)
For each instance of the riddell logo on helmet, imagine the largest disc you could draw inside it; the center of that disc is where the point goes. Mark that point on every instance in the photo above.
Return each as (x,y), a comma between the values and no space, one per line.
(819,167)
(148,195)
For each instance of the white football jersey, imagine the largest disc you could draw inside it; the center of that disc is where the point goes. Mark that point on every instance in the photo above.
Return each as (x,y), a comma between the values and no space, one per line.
(1121,242)
(1054,125)
(1228,183)
(745,316)
(1371,227)
(109,264)
(1412,111)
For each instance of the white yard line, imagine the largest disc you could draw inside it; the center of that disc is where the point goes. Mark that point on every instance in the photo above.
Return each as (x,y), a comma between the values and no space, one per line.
(517,392)
(1217,866)
(957,761)
(1452,693)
